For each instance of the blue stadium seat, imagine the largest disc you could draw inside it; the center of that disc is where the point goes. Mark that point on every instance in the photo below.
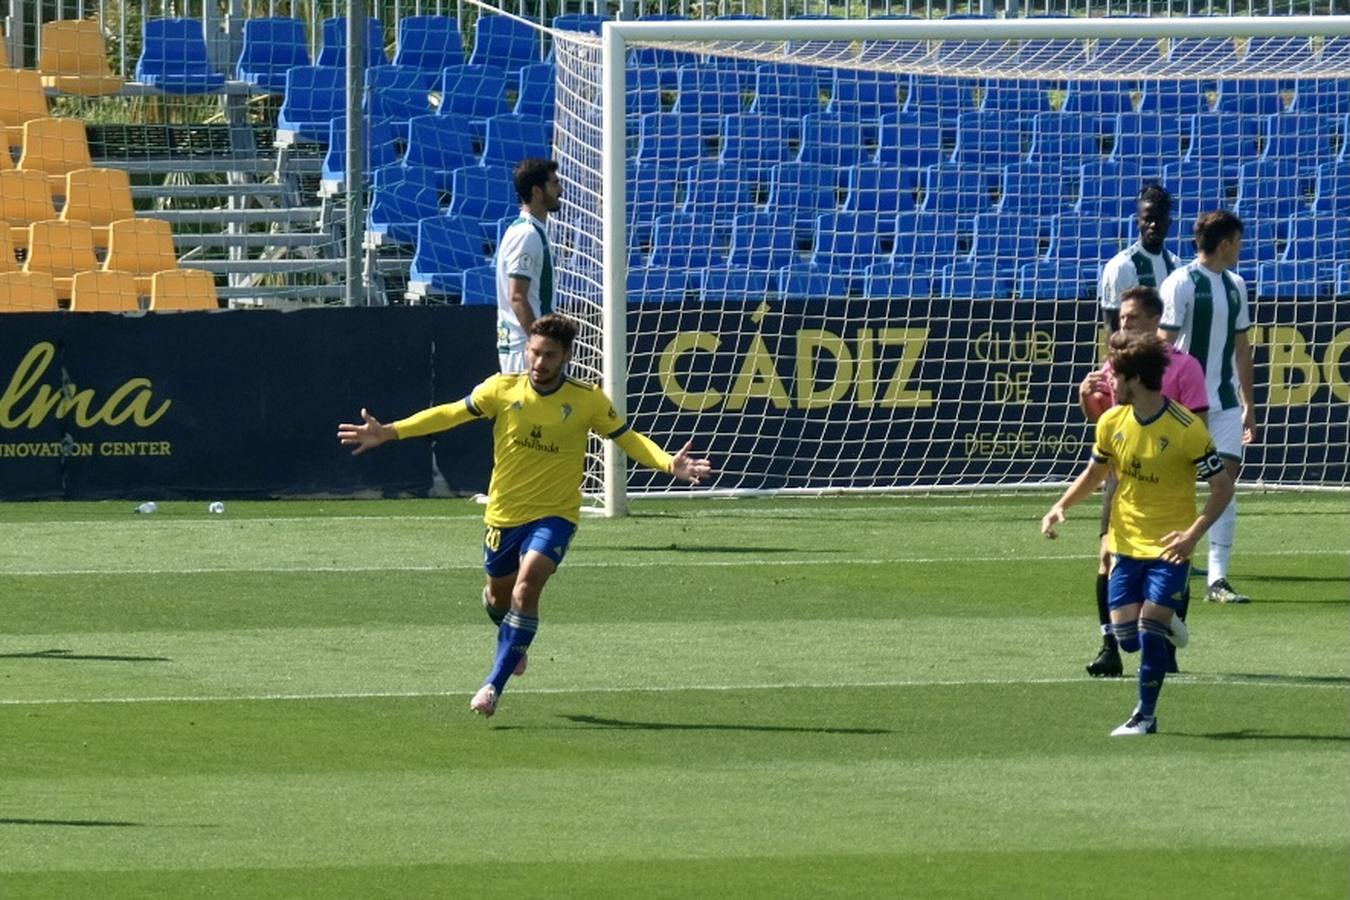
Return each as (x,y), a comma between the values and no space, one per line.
(396,209)
(1066,139)
(761,241)
(908,140)
(1090,240)
(536,93)
(1322,96)
(670,138)
(1290,281)
(478,286)
(1262,242)
(447,246)
(430,43)
(484,193)
(1197,186)
(1250,97)
(664,62)
(173,58)
(1054,280)
(1174,97)
(652,190)
(707,91)
(964,190)
(271,46)
(864,94)
(753,139)
(1302,138)
(743,69)
(474,90)
(686,241)
(820,52)
(334,49)
(419,175)
(504,42)
(398,92)
(988,140)
(440,144)
(1323,241)
(511,138)
(644,94)
(315,95)
(970,280)
(587,23)
(803,191)
(1037,190)
(1343,281)
(720,191)
(882,190)
(1223,141)
(1005,242)
(1021,98)
(381,150)
(1108,189)
(941,96)
(1268,189)
(785,90)
(927,241)
(896,278)
(845,244)
(1146,140)
(1097,98)
(655,284)
(830,140)
(1331,192)
(804,282)
(726,285)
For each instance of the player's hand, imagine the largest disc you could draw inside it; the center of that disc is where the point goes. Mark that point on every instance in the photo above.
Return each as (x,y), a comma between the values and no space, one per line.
(1050,520)
(371,434)
(1249,426)
(1178,546)
(686,468)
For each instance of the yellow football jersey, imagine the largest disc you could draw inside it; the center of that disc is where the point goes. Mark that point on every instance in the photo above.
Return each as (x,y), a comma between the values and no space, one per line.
(1157,462)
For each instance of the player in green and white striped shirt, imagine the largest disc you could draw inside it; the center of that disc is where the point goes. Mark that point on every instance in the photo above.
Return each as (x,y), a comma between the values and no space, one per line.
(1205,314)
(1146,262)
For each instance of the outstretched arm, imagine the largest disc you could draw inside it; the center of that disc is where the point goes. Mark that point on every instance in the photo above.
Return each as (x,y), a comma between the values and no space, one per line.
(372,433)
(682,465)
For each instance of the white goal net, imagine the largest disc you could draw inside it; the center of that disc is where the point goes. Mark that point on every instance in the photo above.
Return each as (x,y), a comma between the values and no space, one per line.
(858,256)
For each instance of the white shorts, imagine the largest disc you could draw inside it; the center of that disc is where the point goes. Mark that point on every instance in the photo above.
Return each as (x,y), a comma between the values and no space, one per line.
(1225,428)
(511,362)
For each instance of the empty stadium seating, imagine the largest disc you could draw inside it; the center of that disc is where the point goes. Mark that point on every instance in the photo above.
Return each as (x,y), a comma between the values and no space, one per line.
(334,50)
(142,247)
(100,291)
(99,197)
(27,292)
(74,59)
(430,43)
(174,58)
(272,45)
(183,289)
(446,247)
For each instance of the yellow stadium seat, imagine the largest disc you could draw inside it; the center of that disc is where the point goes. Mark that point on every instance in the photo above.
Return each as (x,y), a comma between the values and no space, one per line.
(183,289)
(25,198)
(27,292)
(55,147)
(98,291)
(60,249)
(21,99)
(141,247)
(8,261)
(75,59)
(99,197)
(4,51)
(6,153)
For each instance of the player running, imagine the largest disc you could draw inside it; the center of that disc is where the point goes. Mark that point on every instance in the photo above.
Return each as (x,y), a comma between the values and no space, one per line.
(541,422)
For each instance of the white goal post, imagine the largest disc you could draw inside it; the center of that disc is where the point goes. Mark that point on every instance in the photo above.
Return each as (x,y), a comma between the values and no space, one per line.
(747,203)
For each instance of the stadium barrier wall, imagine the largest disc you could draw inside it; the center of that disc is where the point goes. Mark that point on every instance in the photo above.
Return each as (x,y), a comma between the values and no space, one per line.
(245,404)
(235,404)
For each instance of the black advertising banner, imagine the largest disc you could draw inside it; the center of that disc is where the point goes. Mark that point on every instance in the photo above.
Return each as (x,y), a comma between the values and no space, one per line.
(932,392)
(229,404)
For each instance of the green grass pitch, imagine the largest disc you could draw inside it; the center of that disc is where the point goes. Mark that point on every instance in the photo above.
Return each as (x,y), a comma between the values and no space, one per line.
(843,697)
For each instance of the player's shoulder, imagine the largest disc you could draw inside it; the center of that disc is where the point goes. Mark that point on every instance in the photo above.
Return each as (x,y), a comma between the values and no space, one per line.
(1178,279)
(1114,417)
(1123,259)
(1239,282)
(1181,415)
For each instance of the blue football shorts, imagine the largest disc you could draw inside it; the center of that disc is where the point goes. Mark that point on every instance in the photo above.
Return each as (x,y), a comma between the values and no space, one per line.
(503,547)
(1155,580)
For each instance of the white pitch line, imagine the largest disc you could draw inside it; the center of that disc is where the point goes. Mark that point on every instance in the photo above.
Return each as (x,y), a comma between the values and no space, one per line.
(665,554)
(665,689)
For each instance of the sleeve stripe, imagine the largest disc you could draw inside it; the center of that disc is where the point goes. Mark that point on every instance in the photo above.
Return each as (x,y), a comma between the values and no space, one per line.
(468,403)
(617,434)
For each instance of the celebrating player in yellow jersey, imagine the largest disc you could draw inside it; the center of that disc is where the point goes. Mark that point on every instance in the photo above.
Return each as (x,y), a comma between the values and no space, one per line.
(1156,449)
(541,420)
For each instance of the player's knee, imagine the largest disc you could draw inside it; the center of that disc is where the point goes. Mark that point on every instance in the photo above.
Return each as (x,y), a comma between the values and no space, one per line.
(1127,635)
(525,596)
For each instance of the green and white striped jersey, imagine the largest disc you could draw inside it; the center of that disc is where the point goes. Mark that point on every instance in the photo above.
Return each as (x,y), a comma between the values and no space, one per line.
(1208,310)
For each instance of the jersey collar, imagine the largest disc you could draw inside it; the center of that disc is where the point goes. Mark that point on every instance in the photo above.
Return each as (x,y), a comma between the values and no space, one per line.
(1149,421)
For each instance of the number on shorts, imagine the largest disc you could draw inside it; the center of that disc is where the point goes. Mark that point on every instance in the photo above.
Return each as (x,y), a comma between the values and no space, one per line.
(492,538)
